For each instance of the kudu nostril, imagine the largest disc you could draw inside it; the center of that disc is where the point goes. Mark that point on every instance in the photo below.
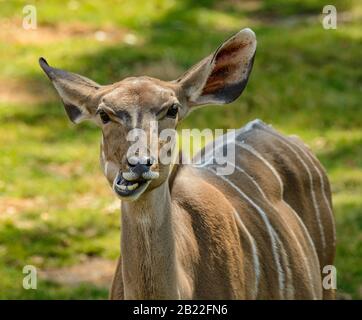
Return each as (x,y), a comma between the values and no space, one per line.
(141,166)
(132,162)
(135,161)
(149,161)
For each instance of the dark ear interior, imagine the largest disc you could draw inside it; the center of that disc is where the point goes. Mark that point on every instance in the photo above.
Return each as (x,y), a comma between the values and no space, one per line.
(221,77)
(75,91)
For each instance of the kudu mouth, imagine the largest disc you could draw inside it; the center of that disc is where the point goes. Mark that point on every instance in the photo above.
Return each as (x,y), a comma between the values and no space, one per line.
(131,185)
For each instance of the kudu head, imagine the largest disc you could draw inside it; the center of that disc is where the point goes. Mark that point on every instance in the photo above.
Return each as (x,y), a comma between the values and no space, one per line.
(136,102)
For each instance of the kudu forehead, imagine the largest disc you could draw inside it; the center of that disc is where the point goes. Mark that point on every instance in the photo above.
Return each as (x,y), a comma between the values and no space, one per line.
(140,93)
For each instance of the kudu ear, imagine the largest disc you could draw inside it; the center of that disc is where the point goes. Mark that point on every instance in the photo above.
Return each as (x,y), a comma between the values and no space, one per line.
(77,92)
(221,77)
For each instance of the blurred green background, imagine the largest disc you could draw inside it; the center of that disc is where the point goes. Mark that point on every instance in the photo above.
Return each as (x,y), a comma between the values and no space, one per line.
(56,210)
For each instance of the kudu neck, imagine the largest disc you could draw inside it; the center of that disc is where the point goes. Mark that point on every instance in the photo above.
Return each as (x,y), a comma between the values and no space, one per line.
(153,205)
(148,246)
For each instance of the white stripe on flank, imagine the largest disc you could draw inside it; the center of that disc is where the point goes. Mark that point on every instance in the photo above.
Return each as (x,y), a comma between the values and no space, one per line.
(288,144)
(275,173)
(272,169)
(274,233)
(259,156)
(309,156)
(301,223)
(134,118)
(289,288)
(314,199)
(254,249)
(311,243)
(268,226)
(219,142)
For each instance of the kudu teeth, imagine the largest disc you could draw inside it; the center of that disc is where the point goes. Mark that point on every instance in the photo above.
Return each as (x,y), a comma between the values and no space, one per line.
(149,175)
(128,187)
(132,187)
(130,176)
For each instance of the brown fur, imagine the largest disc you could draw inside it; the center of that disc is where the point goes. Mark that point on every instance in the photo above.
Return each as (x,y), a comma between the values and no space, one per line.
(263,232)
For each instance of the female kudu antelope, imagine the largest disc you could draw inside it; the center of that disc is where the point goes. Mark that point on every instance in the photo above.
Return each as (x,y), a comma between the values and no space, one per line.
(263,232)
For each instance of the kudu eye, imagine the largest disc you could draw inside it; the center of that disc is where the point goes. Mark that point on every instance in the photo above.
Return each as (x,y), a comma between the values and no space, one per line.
(104,117)
(172,111)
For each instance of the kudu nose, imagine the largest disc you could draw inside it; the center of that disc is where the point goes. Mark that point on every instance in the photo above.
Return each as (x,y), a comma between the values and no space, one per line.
(140,165)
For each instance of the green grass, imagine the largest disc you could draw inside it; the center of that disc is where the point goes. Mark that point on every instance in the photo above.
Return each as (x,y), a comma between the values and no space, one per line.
(55,201)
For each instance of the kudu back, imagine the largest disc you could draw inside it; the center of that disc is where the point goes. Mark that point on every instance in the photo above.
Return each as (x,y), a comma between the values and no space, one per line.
(264,231)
